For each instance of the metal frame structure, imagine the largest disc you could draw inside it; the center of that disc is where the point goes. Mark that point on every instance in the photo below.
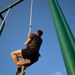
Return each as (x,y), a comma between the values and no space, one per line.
(3,18)
(65,37)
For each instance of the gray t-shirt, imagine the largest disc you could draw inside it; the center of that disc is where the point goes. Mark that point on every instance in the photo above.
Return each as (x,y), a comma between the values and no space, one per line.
(36,42)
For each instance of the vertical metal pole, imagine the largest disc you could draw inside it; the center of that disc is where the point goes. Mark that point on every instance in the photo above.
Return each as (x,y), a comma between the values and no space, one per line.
(66,25)
(30,26)
(22,70)
(66,46)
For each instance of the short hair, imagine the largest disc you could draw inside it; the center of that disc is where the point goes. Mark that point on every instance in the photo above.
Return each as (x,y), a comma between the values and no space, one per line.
(40,32)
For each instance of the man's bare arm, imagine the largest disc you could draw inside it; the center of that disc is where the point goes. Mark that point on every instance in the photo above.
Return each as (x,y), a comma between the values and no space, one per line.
(27,42)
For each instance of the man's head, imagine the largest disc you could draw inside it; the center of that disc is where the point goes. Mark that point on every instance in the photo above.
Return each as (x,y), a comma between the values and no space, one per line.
(39,32)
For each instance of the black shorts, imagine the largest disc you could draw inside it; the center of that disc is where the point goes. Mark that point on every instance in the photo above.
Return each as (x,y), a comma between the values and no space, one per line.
(29,54)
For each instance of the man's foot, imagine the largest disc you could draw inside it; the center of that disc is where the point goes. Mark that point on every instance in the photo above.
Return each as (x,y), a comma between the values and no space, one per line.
(20,73)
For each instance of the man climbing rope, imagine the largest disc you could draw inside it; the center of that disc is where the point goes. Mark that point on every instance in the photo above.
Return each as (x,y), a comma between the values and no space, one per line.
(30,54)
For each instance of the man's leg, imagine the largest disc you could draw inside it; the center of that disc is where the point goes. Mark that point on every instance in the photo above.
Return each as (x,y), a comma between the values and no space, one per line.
(15,56)
(23,62)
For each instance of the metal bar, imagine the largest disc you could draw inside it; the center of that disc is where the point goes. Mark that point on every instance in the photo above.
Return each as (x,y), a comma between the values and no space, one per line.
(1,17)
(30,26)
(2,25)
(3,21)
(69,32)
(22,70)
(10,6)
(66,46)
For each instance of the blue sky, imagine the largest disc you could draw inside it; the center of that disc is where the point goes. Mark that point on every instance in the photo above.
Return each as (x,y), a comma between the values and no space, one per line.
(16,32)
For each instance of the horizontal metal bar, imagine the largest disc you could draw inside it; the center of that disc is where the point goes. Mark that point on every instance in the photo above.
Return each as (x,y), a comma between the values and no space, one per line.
(10,6)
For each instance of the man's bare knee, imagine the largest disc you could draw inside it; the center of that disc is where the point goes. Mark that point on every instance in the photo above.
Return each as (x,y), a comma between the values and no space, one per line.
(17,53)
(12,54)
